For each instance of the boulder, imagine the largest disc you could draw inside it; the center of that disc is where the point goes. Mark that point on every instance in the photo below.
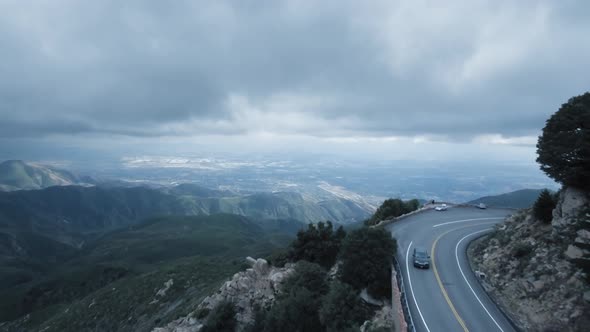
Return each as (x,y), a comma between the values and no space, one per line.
(573,252)
(587,296)
(261,266)
(570,203)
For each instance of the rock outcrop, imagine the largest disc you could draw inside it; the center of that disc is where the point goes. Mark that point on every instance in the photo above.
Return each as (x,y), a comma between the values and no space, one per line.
(533,269)
(257,287)
(381,321)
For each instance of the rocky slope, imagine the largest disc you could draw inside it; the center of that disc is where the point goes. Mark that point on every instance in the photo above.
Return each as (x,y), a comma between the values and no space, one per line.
(538,273)
(255,287)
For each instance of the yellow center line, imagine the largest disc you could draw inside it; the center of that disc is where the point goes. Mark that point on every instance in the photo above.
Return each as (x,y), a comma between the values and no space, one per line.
(437,276)
(442,288)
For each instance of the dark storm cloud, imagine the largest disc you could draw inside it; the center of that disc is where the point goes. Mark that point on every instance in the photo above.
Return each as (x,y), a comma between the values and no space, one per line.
(329,69)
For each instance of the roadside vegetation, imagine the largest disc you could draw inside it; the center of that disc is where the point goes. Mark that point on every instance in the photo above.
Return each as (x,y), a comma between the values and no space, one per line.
(544,205)
(312,299)
(391,208)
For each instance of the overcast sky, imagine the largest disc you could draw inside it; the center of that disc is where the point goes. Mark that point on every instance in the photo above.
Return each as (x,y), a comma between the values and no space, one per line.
(450,78)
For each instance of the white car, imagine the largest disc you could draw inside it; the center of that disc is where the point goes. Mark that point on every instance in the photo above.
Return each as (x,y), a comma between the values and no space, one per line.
(442,207)
(482,206)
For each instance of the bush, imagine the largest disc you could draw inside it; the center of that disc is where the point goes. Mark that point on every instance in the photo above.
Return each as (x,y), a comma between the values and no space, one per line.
(296,308)
(221,319)
(279,257)
(522,250)
(564,147)
(342,308)
(366,260)
(543,207)
(318,244)
(296,312)
(391,208)
(307,275)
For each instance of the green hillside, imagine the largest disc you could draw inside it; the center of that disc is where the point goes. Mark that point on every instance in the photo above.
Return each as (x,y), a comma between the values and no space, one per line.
(121,271)
(17,175)
(519,199)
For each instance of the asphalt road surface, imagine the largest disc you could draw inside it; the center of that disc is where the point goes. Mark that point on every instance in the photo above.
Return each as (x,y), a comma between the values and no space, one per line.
(447,296)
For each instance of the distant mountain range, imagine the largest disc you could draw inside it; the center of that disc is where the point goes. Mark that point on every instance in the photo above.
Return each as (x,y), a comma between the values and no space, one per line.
(18,175)
(519,199)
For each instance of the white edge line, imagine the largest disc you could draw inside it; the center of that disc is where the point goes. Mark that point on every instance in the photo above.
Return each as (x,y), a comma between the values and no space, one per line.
(412,289)
(465,278)
(464,220)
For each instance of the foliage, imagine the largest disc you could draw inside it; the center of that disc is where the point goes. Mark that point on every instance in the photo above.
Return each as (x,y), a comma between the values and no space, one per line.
(279,257)
(366,260)
(297,307)
(391,208)
(307,275)
(318,244)
(342,308)
(543,207)
(196,252)
(296,312)
(522,250)
(221,319)
(564,147)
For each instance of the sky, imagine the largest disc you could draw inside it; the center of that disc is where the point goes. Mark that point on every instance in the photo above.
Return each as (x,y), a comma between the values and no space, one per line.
(423,80)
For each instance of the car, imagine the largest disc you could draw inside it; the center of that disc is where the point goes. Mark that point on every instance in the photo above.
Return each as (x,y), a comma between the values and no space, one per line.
(481,206)
(421,258)
(442,207)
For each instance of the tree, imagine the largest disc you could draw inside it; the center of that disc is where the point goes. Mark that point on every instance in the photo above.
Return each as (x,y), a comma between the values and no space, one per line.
(296,313)
(564,147)
(544,205)
(342,308)
(318,244)
(366,260)
(307,275)
(221,319)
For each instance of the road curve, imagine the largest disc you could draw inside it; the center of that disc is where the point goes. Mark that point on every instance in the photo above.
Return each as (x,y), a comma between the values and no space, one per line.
(447,297)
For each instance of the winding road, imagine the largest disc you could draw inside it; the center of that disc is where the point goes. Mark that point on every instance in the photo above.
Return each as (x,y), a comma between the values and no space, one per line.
(447,297)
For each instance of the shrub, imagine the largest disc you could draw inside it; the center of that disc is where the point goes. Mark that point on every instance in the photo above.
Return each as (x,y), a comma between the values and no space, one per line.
(307,275)
(296,312)
(221,319)
(391,208)
(296,309)
(342,308)
(543,207)
(318,244)
(564,147)
(279,257)
(521,250)
(366,260)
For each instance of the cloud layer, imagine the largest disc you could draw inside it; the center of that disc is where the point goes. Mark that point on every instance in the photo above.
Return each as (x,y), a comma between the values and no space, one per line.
(460,70)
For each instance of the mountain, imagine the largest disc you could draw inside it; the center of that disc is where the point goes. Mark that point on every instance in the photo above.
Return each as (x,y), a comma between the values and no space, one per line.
(114,282)
(18,175)
(519,199)
(42,228)
(284,205)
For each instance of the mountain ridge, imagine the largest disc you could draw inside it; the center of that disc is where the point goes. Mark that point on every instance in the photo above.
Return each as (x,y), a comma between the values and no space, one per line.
(519,199)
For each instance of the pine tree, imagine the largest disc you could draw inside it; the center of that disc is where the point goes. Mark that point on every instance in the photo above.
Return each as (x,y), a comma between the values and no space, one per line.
(543,208)
(564,146)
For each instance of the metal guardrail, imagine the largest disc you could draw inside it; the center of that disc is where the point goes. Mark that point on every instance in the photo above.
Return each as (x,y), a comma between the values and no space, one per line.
(404,298)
